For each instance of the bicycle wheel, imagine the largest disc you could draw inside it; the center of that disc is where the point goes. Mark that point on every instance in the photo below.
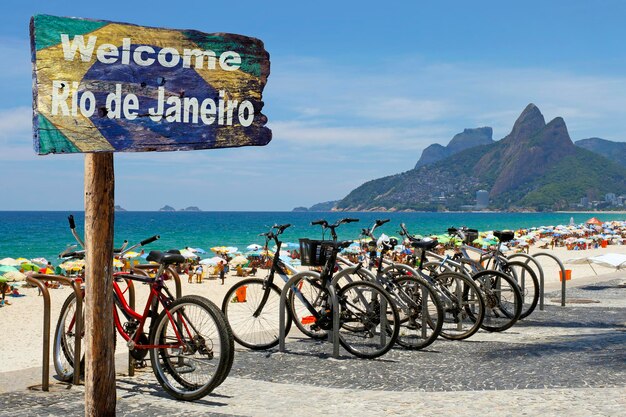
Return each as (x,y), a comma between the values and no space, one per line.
(252,309)
(369,321)
(528,283)
(503,299)
(463,305)
(195,350)
(420,311)
(64,338)
(308,290)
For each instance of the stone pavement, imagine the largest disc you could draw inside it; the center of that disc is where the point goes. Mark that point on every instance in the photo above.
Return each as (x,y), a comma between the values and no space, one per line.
(561,361)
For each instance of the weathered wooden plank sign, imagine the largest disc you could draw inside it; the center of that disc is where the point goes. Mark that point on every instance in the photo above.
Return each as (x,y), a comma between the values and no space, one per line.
(113,87)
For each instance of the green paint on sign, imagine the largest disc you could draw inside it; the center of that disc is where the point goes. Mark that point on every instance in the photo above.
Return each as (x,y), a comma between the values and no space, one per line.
(250,58)
(53,141)
(48,29)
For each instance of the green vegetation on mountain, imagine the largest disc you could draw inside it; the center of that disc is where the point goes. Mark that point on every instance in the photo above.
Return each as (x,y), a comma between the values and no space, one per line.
(615,151)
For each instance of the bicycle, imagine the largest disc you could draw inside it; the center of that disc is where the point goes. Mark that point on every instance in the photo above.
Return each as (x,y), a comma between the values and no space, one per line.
(502,296)
(416,300)
(368,318)
(252,306)
(521,272)
(460,309)
(190,343)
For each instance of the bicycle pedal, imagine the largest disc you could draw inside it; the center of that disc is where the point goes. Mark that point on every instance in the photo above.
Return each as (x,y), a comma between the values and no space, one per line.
(140,364)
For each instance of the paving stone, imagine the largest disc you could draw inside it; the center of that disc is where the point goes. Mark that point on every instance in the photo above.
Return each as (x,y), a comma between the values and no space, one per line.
(561,361)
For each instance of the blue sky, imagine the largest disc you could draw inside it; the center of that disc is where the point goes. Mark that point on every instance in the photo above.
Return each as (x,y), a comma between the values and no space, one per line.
(356,91)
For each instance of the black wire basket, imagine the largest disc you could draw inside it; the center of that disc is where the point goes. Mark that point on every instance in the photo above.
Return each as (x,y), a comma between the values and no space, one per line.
(314,252)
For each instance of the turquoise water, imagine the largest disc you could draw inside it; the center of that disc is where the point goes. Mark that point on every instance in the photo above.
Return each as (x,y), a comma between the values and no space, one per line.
(36,234)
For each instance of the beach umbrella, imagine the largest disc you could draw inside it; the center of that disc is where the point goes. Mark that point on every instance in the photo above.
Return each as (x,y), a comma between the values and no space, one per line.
(443,239)
(238,260)
(188,254)
(29,266)
(613,260)
(9,262)
(254,246)
(117,263)
(594,221)
(213,261)
(22,260)
(73,265)
(219,249)
(46,271)
(14,276)
(131,254)
(40,261)
(7,268)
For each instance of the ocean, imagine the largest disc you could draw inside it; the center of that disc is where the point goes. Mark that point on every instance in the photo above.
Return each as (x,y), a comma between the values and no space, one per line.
(45,234)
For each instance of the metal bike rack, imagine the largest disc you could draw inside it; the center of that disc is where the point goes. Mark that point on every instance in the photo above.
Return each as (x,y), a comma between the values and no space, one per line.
(38,280)
(530,258)
(563,281)
(332,335)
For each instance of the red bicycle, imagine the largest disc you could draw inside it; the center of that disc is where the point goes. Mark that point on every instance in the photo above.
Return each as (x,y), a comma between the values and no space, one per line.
(190,343)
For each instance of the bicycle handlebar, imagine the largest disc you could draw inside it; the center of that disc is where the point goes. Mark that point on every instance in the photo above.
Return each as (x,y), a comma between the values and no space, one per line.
(149,240)
(281,228)
(124,249)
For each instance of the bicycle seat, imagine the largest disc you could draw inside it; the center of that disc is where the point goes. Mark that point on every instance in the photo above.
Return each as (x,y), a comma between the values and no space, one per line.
(172,256)
(505,236)
(424,244)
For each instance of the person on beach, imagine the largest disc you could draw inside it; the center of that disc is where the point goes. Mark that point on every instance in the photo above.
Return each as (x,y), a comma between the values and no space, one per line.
(222,272)
(198,273)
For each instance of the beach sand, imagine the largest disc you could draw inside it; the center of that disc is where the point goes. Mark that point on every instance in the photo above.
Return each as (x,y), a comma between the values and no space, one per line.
(21,341)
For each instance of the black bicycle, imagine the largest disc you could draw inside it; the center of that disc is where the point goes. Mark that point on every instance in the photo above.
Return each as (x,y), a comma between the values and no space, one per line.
(369,322)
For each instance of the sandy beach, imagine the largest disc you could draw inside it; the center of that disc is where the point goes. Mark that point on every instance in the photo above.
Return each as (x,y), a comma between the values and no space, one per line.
(21,342)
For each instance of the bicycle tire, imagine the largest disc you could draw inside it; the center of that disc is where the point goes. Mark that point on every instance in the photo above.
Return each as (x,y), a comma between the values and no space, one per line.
(310,288)
(528,286)
(499,315)
(63,345)
(463,305)
(180,386)
(420,309)
(262,331)
(361,320)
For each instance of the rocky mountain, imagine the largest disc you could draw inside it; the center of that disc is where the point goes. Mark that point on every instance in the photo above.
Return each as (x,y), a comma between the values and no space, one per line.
(326,206)
(615,151)
(469,138)
(167,208)
(536,166)
(119,208)
(191,208)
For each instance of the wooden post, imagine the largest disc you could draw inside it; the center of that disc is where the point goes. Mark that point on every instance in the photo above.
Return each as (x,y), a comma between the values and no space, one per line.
(99,332)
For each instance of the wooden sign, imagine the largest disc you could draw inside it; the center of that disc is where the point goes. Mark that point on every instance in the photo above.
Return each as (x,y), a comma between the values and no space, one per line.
(113,87)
